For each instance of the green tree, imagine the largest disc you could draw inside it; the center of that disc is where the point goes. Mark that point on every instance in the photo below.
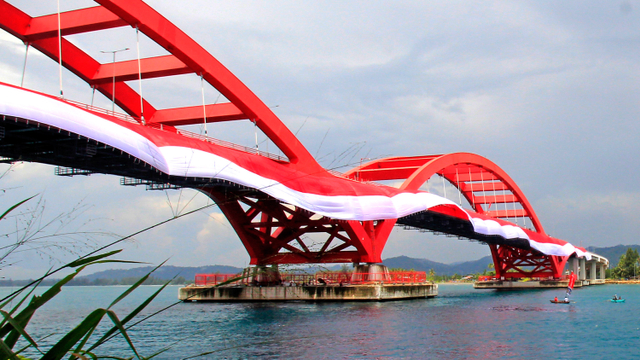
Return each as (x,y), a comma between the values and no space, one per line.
(491,270)
(628,265)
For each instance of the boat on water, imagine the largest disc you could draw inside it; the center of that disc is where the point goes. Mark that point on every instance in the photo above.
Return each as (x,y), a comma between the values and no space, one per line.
(559,301)
(617,300)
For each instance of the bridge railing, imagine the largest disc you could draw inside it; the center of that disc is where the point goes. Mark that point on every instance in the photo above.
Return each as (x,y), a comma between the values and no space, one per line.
(391,277)
(324,278)
(189,134)
(215,279)
(231,145)
(357,278)
(493,278)
(100,110)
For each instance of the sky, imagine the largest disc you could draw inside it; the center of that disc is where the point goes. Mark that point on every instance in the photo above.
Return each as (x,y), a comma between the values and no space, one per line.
(547,90)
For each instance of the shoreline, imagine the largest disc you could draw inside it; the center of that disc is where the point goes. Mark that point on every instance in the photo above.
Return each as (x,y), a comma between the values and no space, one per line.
(613,281)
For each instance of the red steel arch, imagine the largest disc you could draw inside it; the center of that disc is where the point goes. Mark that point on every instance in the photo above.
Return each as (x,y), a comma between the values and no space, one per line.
(469,173)
(483,184)
(186,56)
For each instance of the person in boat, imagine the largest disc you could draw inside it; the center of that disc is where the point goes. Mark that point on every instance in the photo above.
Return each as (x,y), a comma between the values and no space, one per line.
(555,299)
(566,299)
(616,297)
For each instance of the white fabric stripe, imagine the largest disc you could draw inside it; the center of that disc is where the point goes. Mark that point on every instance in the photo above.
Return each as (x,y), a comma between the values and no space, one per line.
(191,162)
(492,227)
(33,106)
(559,250)
(181,161)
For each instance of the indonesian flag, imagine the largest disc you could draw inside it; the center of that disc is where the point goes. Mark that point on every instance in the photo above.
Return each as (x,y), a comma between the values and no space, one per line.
(572,280)
(174,153)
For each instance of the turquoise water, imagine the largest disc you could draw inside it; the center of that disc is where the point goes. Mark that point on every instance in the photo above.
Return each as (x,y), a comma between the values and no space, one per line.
(461,323)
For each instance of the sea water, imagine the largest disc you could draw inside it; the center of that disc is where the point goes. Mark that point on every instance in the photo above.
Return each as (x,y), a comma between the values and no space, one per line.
(460,323)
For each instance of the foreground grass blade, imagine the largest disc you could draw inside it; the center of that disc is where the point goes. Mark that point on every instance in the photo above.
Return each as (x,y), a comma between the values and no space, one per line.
(135,286)
(6,352)
(15,206)
(18,328)
(61,348)
(25,315)
(15,294)
(90,259)
(129,317)
(123,332)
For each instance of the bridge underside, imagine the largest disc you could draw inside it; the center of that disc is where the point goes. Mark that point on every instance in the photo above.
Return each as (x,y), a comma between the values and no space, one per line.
(27,140)
(272,232)
(513,258)
(453,226)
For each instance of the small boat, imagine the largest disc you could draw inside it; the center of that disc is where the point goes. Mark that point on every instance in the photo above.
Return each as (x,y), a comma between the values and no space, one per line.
(617,300)
(559,302)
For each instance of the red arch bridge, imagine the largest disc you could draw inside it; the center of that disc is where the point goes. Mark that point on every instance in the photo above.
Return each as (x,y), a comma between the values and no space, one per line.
(272,201)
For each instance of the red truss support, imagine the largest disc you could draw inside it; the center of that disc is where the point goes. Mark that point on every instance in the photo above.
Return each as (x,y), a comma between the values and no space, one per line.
(514,263)
(278,233)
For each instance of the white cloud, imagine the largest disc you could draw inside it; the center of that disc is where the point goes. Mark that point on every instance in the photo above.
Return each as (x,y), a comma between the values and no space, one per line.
(618,204)
(217,242)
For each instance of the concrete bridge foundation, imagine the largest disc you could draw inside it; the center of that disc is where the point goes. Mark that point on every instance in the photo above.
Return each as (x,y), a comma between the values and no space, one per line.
(368,282)
(589,272)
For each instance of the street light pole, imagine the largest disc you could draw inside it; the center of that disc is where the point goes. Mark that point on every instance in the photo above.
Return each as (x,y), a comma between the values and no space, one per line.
(113,92)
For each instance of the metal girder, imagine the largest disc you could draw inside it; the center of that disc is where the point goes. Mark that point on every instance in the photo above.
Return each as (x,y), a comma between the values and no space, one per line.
(72,22)
(194,115)
(515,263)
(487,185)
(153,67)
(31,141)
(194,56)
(277,233)
(495,199)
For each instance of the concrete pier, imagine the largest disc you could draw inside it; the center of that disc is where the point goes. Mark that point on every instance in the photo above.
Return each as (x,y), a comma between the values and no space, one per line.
(531,284)
(589,272)
(369,292)
(517,285)
(367,282)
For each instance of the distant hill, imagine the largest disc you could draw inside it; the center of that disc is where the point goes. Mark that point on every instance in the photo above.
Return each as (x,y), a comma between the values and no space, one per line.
(460,268)
(166,272)
(189,273)
(612,253)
